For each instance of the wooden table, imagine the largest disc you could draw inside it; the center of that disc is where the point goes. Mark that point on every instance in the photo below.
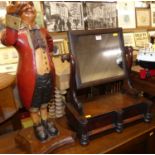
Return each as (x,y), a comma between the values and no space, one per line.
(8,105)
(137,138)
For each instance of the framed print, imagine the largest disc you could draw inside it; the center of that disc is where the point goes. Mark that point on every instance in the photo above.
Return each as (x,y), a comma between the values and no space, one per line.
(8,60)
(142,4)
(129,39)
(60,47)
(64,16)
(143,17)
(126,14)
(101,15)
(8,55)
(153,14)
(141,39)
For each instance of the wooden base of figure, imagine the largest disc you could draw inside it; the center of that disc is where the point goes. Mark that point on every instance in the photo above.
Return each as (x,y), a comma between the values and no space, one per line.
(27,140)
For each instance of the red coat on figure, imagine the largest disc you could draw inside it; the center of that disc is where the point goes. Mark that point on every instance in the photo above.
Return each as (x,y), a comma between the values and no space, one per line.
(26,73)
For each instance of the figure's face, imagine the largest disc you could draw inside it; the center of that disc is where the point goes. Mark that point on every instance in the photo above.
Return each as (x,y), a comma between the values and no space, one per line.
(28,12)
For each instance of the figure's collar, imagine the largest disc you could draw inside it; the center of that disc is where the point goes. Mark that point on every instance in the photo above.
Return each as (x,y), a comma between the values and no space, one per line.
(23,25)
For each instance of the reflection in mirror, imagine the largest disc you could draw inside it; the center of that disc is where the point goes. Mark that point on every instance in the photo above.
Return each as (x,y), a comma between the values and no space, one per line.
(99,56)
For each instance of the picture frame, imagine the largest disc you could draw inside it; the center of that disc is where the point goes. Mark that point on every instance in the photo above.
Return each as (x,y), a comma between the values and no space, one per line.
(143,17)
(141,39)
(8,60)
(152,5)
(101,15)
(63,16)
(126,14)
(8,55)
(60,47)
(129,39)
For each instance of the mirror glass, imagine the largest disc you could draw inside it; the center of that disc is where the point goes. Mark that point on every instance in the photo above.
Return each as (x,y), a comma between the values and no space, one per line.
(99,57)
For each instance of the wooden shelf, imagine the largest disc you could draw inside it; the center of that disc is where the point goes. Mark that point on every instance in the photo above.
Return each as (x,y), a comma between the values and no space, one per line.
(59,35)
(139,29)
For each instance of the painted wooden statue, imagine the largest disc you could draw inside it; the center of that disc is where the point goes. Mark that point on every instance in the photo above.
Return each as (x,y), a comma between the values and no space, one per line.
(36,74)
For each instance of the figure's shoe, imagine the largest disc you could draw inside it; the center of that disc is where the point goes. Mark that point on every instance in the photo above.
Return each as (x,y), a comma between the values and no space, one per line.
(50,127)
(40,132)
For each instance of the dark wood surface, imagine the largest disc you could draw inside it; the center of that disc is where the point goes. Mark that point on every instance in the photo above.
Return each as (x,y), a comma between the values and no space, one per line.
(108,103)
(137,138)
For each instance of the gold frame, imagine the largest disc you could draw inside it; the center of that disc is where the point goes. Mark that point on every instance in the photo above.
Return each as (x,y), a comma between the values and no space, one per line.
(129,39)
(143,18)
(61,45)
(141,39)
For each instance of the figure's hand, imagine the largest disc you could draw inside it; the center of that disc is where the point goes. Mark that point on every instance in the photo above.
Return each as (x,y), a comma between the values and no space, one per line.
(14,8)
(13,19)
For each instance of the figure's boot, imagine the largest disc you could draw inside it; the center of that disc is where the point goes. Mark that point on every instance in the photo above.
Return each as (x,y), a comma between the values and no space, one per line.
(50,127)
(39,129)
(40,132)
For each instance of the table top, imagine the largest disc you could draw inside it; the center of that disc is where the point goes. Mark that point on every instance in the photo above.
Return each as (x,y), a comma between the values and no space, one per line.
(6,80)
(107,143)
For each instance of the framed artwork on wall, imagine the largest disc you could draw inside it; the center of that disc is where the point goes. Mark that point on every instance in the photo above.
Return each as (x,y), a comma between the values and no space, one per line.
(129,39)
(63,16)
(126,14)
(141,39)
(101,15)
(8,55)
(143,17)
(153,14)
(60,47)
(8,60)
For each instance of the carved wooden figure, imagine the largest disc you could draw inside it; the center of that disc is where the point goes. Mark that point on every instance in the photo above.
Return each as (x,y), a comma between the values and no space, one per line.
(36,74)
